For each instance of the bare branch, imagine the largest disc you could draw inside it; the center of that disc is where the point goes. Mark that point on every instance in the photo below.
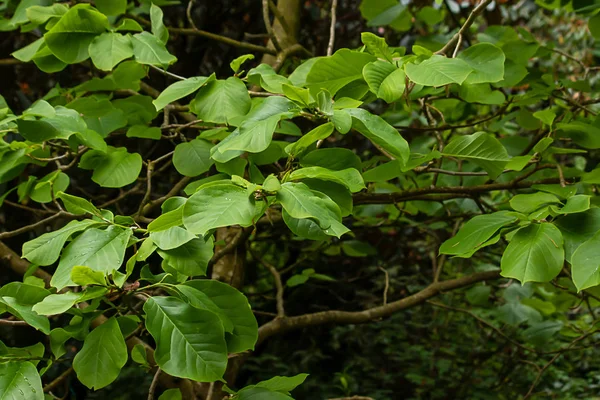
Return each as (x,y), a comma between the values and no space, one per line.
(332,27)
(463,29)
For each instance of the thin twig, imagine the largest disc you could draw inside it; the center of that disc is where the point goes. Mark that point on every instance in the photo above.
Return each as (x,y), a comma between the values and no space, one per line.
(188,13)
(146,199)
(154,384)
(11,322)
(167,73)
(211,389)
(58,380)
(386,286)
(265,10)
(27,228)
(463,29)
(332,27)
(278,283)
(240,237)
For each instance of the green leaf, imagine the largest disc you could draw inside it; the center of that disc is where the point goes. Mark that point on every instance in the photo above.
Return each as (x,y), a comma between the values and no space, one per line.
(319,133)
(19,380)
(40,15)
(221,101)
(256,132)
(332,158)
(167,220)
(45,249)
(349,178)
(171,394)
(385,80)
(193,158)
(191,258)
(40,108)
(585,135)
(284,384)
(237,62)
(171,238)
(111,7)
(377,46)
(109,49)
(77,205)
(101,250)
(234,305)
(476,232)
(386,12)
(527,203)
(64,124)
(102,356)
(547,116)
(28,52)
(256,393)
(535,253)
(438,71)
(585,264)
(222,204)
(487,62)
(115,168)
(44,190)
(380,132)
(334,72)
(138,355)
(24,293)
(148,49)
(265,76)
(200,300)
(25,313)
(158,27)
(144,132)
(84,276)
(181,89)
(300,202)
(72,35)
(190,343)
(482,149)
(57,303)
(99,115)
(576,204)
(578,228)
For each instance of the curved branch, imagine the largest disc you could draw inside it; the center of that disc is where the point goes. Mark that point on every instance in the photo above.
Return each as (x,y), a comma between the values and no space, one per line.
(282,325)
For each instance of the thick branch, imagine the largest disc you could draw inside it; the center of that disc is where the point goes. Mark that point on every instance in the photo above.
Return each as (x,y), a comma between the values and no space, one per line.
(282,325)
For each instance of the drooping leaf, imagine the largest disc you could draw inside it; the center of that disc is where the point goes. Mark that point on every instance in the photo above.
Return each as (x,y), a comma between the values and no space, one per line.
(535,253)
(20,380)
(476,232)
(158,27)
(438,71)
(70,38)
(100,250)
(235,306)
(190,258)
(148,49)
(217,206)
(180,89)
(102,356)
(115,168)
(190,343)
(482,149)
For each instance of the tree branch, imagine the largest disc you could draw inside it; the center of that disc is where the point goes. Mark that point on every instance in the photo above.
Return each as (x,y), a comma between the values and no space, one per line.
(463,30)
(282,325)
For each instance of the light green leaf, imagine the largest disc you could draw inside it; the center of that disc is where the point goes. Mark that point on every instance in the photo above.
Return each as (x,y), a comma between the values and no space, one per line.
(190,343)
(535,253)
(193,158)
(221,101)
(283,384)
(265,76)
(319,133)
(438,71)
(102,356)
(148,49)
(234,305)
(191,258)
(171,394)
(77,205)
(385,80)
(66,122)
(546,116)
(44,190)
(585,264)
(334,72)
(45,249)
(217,206)
(255,393)
(198,299)
(237,62)
(70,38)
(167,220)
(476,232)
(40,108)
(40,15)
(138,355)
(99,115)
(57,303)
(180,89)
(349,177)
(380,132)
(28,52)
(109,49)
(171,238)
(332,158)
(25,313)
(377,46)
(144,132)
(256,132)
(487,62)
(158,27)
(115,168)
(527,203)
(482,149)
(84,276)
(585,135)
(101,250)
(111,7)
(24,293)
(576,204)
(19,380)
